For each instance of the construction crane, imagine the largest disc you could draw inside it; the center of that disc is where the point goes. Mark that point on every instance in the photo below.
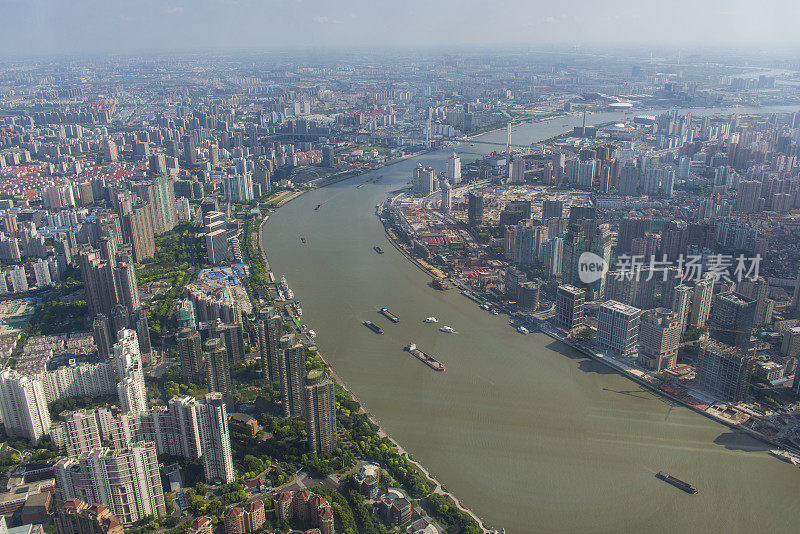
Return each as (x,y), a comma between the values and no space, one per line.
(705,344)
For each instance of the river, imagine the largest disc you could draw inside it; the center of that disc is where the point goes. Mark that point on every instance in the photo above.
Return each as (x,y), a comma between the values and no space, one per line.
(527,433)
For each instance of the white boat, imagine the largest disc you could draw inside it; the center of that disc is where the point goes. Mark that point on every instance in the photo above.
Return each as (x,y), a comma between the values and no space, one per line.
(447,329)
(484,306)
(522,330)
(312,334)
(430,320)
(495,312)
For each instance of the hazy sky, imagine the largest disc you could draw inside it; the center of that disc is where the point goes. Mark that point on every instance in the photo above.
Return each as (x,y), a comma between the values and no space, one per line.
(69,26)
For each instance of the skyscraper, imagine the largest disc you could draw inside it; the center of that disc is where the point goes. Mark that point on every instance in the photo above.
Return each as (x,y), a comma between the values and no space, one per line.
(725,371)
(82,432)
(453,171)
(447,197)
(238,187)
(758,290)
(189,150)
(131,388)
(320,410)
(659,337)
(191,354)
(292,368)
(552,208)
(424,180)
(585,237)
(701,301)
(137,227)
(682,304)
(733,316)
(101,334)
(618,328)
(551,252)
(569,306)
(23,406)
(217,365)
(216,441)
(270,330)
(232,336)
(475,209)
(629,229)
(127,481)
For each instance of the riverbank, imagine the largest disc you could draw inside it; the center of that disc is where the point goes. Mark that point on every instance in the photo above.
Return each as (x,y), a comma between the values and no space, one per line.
(519,427)
(711,410)
(639,377)
(382,433)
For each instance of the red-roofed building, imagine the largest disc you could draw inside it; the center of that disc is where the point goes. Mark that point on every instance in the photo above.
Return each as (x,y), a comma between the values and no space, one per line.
(302,510)
(326,520)
(254,516)
(201,525)
(234,521)
(283,505)
(76,517)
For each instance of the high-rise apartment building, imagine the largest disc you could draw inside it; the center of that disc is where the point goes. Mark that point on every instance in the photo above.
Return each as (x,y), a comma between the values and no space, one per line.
(702,294)
(189,150)
(108,282)
(270,330)
(320,410)
(102,336)
(217,365)
(137,228)
(424,180)
(82,432)
(23,406)
(682,304)
(126,481)
(191,354)
(216,441)
(292,368)
(131,388)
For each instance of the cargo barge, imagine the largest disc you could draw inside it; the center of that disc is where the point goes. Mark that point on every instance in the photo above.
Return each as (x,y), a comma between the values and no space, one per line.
(372,326)
(680,484)
(389,315)
(425,358)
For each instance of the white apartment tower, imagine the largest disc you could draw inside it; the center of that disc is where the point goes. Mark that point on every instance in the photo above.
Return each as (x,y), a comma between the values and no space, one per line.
(23,406)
